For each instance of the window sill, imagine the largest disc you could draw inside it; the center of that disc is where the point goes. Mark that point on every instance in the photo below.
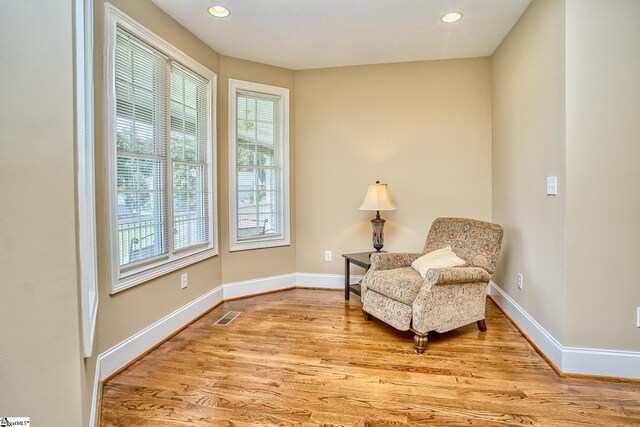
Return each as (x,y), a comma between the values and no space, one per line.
(160,269)
(259,244)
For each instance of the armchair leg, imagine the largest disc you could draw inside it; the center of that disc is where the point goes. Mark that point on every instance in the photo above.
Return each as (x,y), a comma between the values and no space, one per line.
(482,325)
(420,340)
(366,315)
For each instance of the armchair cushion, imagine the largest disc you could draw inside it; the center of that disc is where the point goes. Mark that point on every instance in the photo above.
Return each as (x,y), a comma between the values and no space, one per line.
(455,275)
(440,258)
(388,261)
(399,284)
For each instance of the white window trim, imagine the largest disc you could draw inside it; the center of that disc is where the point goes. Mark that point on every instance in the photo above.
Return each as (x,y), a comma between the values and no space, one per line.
(121,280)
(85,173)
(261,242)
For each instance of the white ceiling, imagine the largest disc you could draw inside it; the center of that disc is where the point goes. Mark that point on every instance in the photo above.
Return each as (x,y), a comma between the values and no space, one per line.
(302,34)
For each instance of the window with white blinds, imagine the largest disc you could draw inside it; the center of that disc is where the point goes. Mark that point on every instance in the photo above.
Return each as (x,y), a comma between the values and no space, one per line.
(161,148)
(189,159)
(259,165)
(141,144)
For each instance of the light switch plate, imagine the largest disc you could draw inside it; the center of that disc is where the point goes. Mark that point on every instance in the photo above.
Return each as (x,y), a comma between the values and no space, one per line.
(552,185)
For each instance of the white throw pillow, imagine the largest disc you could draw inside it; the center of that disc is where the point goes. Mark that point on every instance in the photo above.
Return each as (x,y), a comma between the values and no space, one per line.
(441,258)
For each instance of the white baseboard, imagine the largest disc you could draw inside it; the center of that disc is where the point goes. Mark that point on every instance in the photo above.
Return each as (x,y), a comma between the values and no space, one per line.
(605,363)
(569,360)
(258,286)
(325,281)
(96,396)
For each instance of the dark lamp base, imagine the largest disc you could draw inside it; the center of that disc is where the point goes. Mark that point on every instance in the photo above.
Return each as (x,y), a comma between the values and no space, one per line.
(377,224)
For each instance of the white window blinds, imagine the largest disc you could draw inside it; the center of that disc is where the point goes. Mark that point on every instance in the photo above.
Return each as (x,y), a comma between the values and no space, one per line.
(161,155)
(258,167)
(189,157)
(141,128)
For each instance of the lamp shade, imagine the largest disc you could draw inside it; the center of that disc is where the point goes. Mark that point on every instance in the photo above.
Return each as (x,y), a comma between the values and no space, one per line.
(378,199)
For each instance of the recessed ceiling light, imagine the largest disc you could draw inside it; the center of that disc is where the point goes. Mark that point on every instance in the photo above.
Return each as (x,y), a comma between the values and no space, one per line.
(451,17)
(219,11)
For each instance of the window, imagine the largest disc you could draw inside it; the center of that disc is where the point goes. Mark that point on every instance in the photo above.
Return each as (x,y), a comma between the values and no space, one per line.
(259,165)
(160,155)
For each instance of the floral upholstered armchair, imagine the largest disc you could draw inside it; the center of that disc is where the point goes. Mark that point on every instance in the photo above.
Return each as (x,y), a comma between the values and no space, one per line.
(447,298)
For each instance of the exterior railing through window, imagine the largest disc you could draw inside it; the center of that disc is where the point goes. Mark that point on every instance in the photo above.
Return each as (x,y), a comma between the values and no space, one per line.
(140,240)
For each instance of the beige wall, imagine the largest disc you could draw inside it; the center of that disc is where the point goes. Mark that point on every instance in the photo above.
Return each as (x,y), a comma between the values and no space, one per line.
(251,264)
(603,174)
(528,93)
(40,366)
(422,127)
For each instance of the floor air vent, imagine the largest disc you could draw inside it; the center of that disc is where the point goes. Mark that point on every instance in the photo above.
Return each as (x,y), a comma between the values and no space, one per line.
(227,318)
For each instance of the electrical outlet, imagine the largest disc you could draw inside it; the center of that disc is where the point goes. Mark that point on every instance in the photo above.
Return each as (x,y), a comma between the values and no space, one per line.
(328,256)
(520,281)
(184,280)
(638,318)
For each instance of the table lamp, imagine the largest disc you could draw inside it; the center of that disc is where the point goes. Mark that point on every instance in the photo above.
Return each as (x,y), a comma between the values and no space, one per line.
(378,199)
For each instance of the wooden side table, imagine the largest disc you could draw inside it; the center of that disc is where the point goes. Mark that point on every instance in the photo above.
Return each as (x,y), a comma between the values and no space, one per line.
(361,259)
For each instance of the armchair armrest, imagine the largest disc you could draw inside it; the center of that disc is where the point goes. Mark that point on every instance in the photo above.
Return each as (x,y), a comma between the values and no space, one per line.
(389,261)
(464,286)
(455,275)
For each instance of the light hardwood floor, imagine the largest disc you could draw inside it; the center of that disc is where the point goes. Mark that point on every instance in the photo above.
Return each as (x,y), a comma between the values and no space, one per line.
(308,358)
